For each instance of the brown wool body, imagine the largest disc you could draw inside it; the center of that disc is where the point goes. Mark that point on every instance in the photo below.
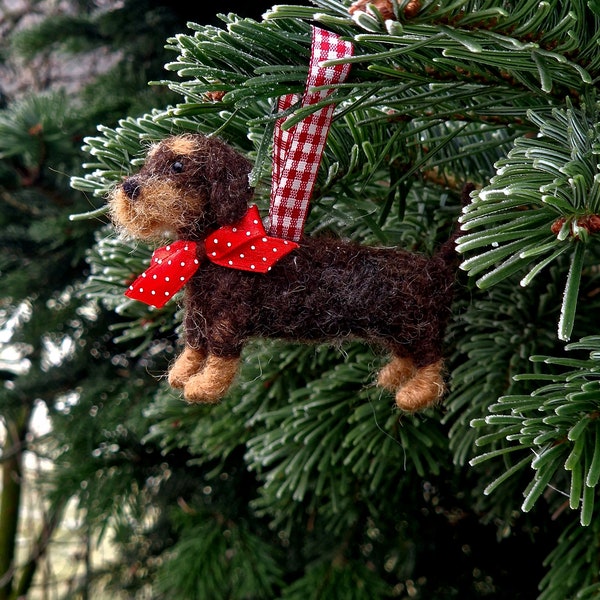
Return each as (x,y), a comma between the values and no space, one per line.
(326,290)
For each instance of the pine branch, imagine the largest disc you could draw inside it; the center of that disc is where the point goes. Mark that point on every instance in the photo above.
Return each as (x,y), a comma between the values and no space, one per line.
(541,204)
(439,95)
(220,555)
(569,564)
(558,423)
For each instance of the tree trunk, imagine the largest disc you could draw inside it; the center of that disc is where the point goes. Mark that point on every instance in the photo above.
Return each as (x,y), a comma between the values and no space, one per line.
(10,498)
(38,550)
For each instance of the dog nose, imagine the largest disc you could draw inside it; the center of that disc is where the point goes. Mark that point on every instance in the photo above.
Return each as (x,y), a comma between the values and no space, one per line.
(131,187)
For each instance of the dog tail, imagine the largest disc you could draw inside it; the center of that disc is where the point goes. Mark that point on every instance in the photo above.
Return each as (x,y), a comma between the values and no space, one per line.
(447,251)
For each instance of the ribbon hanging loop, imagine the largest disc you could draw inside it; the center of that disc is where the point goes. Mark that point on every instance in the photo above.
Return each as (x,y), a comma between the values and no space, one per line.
(297,152)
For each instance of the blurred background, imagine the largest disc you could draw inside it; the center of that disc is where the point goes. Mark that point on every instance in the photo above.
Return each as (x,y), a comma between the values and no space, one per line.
(65,66)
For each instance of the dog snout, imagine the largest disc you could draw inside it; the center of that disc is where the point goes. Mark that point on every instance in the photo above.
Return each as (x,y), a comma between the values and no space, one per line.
(131,187)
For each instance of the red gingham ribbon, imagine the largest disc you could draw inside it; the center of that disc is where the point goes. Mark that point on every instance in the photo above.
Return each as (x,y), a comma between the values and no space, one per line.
(297,151)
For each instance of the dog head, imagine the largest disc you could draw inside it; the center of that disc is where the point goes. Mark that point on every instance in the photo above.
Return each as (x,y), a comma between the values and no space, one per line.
(189,185)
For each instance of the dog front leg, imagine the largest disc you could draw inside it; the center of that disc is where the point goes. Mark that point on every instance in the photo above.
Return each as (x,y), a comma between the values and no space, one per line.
(212,383)
(188,363)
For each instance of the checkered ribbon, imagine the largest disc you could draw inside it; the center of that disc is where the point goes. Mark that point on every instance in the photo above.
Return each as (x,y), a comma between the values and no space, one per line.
(297,151)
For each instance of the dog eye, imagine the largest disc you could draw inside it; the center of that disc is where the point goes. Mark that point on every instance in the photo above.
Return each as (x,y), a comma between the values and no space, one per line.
(177,167)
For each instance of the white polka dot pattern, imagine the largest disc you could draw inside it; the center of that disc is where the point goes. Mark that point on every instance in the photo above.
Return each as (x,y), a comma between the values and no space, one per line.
(246,246)
(170,269)
(243,246)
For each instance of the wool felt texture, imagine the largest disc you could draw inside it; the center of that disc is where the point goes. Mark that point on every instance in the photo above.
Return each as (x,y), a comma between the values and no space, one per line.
(325,290)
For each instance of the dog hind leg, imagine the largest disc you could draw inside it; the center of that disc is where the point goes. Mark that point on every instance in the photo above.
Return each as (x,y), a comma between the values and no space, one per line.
(424,389)
(211,384)
(397,372)
(188,363)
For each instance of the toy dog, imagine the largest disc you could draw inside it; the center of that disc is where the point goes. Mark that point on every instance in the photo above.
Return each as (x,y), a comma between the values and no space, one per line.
(323,290)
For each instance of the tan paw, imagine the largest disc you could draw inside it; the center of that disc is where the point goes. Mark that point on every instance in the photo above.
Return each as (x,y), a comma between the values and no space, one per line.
(425,389)
(188,363)
(212,383)
(395,373)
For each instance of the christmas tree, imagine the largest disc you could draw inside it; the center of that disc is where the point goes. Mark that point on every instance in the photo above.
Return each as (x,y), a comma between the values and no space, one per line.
(306,481)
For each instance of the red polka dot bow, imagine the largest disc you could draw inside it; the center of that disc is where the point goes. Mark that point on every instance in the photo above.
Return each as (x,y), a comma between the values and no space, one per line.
(170,269)
(244,245)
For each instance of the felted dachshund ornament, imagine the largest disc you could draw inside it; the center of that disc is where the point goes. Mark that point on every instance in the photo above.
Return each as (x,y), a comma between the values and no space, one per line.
(194,189)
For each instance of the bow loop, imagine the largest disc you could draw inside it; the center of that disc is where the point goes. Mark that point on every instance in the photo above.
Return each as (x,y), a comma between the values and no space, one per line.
(246,245)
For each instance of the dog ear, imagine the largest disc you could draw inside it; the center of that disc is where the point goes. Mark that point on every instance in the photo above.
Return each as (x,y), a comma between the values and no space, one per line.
(229,200)
(230,190)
